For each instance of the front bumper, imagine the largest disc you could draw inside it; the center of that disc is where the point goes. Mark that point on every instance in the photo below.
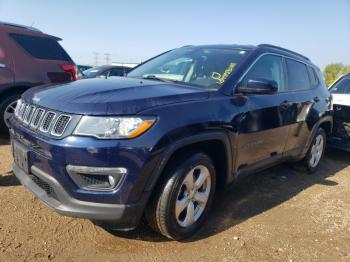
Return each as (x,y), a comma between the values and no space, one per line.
(49,180)
(49,191)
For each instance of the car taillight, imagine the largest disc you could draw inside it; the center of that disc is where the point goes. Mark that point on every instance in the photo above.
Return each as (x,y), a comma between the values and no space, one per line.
(72,70)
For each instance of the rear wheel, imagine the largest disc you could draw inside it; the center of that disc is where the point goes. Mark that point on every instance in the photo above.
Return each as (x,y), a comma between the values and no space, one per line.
(183,198)
(316,151)
(7,109)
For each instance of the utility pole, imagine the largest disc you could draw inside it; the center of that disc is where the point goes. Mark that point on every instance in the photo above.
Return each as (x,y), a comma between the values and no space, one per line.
(107,56)
(96,54)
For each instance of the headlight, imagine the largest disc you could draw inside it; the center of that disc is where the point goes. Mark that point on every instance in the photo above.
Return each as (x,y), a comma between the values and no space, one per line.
(113,127)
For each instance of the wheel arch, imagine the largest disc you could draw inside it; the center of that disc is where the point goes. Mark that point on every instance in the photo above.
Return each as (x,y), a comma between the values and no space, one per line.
(12,90)
(214,144)
(326,123)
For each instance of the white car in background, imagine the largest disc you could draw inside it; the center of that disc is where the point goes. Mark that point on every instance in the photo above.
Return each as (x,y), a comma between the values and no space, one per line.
(340,91)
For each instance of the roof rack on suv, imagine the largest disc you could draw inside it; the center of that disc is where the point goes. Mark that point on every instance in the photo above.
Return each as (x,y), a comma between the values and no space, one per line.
(284,49)
(20,26)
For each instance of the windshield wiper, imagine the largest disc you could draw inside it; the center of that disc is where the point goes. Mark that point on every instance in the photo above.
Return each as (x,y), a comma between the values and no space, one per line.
(153,77)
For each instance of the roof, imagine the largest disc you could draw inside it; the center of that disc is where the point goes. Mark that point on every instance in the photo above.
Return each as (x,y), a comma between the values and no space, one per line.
(20,26)
(279,49)
(284,50)
(223,46)
(16,28)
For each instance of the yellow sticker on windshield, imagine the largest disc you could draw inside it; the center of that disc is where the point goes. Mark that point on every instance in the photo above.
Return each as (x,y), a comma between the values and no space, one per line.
(222,77)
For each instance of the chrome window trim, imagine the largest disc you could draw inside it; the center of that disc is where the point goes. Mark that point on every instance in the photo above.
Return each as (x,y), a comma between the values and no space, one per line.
(274,54)
(54,125)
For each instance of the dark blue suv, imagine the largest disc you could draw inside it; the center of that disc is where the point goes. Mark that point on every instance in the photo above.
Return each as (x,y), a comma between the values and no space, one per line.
(159,142)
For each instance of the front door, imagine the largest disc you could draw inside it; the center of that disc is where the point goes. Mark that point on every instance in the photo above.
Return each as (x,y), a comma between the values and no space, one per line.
(262,132)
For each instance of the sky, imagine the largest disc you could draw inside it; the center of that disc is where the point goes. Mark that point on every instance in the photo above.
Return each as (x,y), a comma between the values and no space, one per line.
(135,30)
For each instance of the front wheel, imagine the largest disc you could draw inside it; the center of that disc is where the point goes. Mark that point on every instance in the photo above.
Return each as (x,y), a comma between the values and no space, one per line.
(316,151)
(183,198)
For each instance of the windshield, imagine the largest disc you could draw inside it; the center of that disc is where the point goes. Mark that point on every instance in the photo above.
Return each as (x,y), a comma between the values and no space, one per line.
(204,67)
(341,87)
(95,71)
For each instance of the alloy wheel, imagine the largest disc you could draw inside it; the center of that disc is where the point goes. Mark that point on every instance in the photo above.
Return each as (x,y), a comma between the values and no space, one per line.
(317,151)
(193,196)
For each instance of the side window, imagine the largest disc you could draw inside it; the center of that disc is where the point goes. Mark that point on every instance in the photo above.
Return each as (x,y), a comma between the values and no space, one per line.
(298,76)
(117,72)
(341,87)
(313,77)
(268,67)
(41,47)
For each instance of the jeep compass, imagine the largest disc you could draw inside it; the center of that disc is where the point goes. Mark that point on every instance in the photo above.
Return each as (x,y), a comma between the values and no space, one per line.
(159,142)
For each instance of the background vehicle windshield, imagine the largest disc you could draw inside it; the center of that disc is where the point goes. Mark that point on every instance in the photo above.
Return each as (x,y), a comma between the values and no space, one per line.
(342,87)
(95,71)
(204,67)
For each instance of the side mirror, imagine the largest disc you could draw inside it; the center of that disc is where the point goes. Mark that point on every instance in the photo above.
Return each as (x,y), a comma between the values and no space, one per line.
(259,86)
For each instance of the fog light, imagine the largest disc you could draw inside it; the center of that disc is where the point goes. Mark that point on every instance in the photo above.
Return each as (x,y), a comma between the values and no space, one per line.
(96,178)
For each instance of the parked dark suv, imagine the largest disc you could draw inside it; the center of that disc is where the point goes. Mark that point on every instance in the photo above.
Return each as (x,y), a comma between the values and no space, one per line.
(105,71)
(161,141)
(28,58)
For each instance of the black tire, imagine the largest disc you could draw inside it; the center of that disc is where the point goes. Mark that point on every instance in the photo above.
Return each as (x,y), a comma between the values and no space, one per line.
(160,212)
(308,159)
(3,105)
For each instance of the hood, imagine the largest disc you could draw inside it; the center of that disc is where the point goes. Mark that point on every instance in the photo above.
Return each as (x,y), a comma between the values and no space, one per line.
(112,96)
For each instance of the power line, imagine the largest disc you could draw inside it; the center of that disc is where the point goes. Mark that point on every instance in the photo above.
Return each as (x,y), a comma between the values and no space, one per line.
(107,56)
(96,54)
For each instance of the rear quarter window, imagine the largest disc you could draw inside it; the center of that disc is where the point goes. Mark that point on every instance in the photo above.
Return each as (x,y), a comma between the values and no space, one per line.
(298,76)
(41,47)
(313,77)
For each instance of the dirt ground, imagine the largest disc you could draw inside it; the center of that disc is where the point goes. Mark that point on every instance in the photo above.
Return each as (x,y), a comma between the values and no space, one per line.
(279,215)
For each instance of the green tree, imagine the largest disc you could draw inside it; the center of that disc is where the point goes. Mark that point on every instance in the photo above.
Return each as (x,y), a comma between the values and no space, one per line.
(332,72)
(346,70)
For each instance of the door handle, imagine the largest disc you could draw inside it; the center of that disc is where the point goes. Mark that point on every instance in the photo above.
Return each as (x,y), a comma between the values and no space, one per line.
(2,65)
(285,105)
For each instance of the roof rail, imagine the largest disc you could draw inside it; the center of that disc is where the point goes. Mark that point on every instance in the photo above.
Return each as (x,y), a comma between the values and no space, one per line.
(20,26)
(284,49)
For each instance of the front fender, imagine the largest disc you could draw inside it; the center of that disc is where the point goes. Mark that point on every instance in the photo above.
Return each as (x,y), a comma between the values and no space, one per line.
(188,141)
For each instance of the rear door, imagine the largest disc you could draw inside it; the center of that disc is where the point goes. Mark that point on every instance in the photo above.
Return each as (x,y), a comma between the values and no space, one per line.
(263,130)
(304,99)
(6,65)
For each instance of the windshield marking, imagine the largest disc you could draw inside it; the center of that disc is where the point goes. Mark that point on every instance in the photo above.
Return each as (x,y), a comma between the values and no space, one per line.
(222,78)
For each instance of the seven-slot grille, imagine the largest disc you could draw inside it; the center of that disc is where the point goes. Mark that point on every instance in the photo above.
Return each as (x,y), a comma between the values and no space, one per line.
(45,121)
(60,125)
